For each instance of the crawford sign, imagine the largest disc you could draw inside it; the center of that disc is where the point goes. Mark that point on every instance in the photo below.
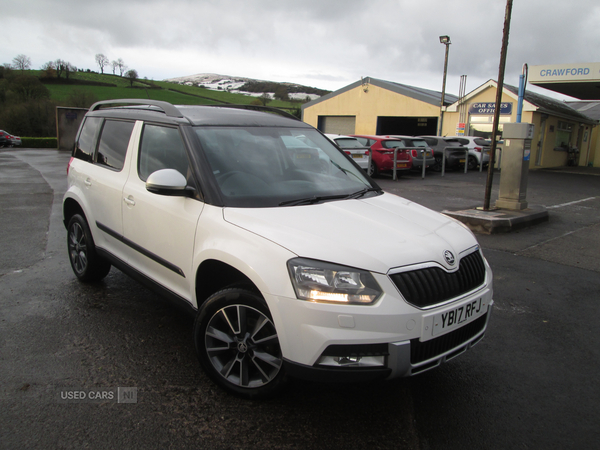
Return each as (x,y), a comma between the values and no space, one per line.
(564,72)
(490,108)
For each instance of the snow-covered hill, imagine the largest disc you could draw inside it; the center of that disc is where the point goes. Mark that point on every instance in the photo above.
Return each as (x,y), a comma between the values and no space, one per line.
(229,83)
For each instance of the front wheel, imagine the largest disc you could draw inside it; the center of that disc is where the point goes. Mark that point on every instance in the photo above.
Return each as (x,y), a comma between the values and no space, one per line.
(237,344)
(85,261)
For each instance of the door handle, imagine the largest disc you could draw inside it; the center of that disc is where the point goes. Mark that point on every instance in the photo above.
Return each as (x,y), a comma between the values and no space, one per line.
(88,182)
(129,200)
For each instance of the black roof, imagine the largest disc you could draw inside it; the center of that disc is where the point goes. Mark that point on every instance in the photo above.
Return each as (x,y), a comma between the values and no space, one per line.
(230,115)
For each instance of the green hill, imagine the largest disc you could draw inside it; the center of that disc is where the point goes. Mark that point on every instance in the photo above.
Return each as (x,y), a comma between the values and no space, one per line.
(108,86)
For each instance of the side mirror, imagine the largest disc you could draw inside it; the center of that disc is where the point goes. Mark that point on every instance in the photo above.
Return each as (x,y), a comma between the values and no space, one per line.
(167,182)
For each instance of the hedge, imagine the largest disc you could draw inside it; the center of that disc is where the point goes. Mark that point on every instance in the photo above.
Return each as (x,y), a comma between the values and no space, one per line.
(47,142)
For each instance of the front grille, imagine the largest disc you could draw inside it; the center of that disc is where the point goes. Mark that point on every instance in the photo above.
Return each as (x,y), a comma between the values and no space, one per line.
(422,351)
(433,285)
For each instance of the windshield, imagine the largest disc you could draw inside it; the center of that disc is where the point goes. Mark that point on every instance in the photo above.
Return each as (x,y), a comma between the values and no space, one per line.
(271,166)
(419,143)
(392,144)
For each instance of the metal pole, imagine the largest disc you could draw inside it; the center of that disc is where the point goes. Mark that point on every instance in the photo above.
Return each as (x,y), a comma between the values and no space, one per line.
(490,177)
(395,163)
(424,154)
(444,88)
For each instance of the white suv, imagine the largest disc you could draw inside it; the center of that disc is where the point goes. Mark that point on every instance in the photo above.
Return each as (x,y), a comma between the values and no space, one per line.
(219,211)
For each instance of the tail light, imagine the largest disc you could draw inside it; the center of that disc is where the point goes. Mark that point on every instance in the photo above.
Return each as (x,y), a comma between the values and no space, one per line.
(347,153)
(69,165)
(414,153)
(478,149)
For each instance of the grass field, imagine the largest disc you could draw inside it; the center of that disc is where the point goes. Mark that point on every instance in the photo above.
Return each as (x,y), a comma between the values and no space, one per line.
(148,89)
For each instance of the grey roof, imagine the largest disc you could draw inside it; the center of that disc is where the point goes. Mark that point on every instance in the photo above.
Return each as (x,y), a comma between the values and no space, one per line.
(423,95)
(552,106)
(590,108)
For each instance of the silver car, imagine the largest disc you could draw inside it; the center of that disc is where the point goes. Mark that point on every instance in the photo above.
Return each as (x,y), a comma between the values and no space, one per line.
(352,146)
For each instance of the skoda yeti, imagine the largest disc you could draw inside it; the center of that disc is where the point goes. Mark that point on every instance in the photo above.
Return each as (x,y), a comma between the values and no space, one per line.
(294,262)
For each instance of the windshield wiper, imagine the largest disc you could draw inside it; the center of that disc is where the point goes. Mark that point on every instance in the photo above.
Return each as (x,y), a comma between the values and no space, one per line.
(362,192)
(312,200)
(317,199)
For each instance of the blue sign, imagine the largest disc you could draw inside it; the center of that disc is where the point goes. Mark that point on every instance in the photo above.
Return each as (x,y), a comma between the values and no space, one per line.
(487,109)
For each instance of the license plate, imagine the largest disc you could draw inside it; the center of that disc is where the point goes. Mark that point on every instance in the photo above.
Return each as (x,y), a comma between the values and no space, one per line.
(461,160)
(357,156)
(400,165)
(461,315)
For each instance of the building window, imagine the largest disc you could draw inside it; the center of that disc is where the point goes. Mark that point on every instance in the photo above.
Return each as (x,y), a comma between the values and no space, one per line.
(563,135)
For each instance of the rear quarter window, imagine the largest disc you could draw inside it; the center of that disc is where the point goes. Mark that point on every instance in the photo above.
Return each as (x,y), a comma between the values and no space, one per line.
(113,144)
(84,146)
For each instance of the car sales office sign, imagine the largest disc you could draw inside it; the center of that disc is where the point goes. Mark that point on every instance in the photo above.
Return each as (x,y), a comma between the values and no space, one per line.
(489,108)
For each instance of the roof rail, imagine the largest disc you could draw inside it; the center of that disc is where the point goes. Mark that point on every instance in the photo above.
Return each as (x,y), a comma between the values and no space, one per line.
(259,108)
(169,109)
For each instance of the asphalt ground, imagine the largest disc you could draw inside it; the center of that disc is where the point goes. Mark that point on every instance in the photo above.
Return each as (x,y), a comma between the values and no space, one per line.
(532,383)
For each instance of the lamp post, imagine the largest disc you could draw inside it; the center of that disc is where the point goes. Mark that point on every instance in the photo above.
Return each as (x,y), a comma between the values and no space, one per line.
(446,41)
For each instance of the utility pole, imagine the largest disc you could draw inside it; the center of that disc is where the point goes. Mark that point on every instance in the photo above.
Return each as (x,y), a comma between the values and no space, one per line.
(490,177)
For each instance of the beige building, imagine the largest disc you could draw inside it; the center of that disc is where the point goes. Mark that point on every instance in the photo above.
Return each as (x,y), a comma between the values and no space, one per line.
(373,106)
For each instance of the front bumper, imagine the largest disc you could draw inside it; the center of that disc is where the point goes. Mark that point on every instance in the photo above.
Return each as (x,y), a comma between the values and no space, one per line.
(402,359)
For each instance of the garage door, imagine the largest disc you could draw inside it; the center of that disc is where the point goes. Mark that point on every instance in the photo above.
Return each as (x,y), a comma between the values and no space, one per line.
(337,124)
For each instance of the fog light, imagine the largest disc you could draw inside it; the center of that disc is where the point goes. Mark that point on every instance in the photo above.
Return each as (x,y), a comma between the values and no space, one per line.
(352,361)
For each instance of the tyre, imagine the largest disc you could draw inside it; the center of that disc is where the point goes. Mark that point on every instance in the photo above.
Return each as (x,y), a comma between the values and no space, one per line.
(86,263)
(373,170)
(473,164)
(237,344)
(437,167)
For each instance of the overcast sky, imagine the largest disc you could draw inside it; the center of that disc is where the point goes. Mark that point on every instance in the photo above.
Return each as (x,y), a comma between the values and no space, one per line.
(322,43)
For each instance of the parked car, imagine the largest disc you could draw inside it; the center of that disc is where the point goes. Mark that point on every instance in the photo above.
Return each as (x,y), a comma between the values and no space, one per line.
(382,156)
(353,147)
(15,141)
(479,150)
(4,138)
(415,146)
(291,269)
(455,151)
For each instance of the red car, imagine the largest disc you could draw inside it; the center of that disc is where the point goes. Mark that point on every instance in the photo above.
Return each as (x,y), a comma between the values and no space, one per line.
(382,150)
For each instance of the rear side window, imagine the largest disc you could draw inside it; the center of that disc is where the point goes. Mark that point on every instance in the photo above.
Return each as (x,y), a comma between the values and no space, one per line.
(161,148)
(84,147)
(113,144)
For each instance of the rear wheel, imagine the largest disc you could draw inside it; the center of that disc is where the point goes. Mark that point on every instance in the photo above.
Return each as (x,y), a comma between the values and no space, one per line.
(373,171)
(237,344)
(85,261)
(473,164)
(437,167)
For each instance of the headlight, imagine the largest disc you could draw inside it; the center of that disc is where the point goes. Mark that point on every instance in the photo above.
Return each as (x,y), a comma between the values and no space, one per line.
(318,281)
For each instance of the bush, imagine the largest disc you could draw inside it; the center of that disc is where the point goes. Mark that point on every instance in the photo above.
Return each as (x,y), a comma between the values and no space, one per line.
(47,142)
(34,118)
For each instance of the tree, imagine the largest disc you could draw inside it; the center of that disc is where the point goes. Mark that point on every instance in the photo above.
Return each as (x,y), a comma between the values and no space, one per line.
(132,75)
(102,61)
(48,70)
(121,65)
(281,93)
(114,66)
(59,66)
(264,99)
(22,62)
(69,68)
(28,87)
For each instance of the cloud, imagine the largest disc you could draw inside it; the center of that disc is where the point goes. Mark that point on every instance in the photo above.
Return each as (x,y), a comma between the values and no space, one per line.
(325,43)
